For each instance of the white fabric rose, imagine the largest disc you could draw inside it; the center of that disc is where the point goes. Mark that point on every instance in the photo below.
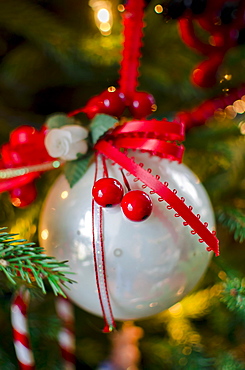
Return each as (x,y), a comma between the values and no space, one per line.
(66,142)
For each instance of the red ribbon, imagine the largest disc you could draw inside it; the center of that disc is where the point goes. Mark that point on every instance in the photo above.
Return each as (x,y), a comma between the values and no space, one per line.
(155,133)
(10,184)
(133,33)
(157,137)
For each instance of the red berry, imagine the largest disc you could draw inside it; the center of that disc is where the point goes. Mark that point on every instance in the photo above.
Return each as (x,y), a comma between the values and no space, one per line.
(111,102)
(136,205)
(10,156)
(24,195)
(107,192)
(143,105)
(23,135)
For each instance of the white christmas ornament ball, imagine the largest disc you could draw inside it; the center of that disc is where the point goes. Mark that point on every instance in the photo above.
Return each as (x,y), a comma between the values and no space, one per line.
(150,265)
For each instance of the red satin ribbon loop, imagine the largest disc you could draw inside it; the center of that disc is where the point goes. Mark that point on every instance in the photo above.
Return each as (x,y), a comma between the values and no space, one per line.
(162,190)
(10,184)
(162,129)
(160,138)
(154,146)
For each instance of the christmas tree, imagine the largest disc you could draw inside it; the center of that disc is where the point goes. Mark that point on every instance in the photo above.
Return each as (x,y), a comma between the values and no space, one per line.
(55,56)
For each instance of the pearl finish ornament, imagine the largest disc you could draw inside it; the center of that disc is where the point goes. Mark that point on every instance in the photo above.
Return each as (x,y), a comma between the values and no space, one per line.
(150,265)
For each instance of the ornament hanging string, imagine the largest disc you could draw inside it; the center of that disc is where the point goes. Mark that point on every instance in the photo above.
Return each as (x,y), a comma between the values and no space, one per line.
(99,255)
(133,33)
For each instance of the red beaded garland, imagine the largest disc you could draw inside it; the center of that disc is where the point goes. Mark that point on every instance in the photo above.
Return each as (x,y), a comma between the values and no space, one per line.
(107,192)
(143,105)
(136,205)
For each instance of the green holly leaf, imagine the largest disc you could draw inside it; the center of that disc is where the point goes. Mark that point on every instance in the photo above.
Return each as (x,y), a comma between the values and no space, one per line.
(100,124)
(74,170)
(58,120)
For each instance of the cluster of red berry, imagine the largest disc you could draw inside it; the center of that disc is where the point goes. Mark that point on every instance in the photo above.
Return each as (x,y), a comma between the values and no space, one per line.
(136,204)
(25,148)
(113,102)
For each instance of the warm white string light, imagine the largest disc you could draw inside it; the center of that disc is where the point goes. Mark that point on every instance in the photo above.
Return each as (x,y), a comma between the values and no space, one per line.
(10,173)
(102,15)
(231,111)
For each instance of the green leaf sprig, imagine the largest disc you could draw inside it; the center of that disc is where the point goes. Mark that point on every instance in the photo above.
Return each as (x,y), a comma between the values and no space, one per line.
(101,123)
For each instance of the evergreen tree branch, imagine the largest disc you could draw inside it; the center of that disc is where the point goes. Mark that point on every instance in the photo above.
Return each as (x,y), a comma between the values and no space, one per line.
(226,361)
(20,259)
(234,220)
(234,294)
(43,29)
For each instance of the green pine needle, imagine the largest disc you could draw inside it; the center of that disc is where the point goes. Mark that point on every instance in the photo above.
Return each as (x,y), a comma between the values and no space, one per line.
(227,361)
(234,294)
(234,220)
(22,260)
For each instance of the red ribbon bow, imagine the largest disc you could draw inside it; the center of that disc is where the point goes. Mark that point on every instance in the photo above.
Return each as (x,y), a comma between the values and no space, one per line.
(159,138)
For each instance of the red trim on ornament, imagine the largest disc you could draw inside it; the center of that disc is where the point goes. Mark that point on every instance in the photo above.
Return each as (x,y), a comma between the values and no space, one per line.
(99,266)
(125,180)
(95,264)
(105,171)
(113,325)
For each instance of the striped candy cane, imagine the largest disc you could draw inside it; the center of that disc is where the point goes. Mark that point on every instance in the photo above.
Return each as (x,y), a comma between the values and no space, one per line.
(20,331)
(66,336)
